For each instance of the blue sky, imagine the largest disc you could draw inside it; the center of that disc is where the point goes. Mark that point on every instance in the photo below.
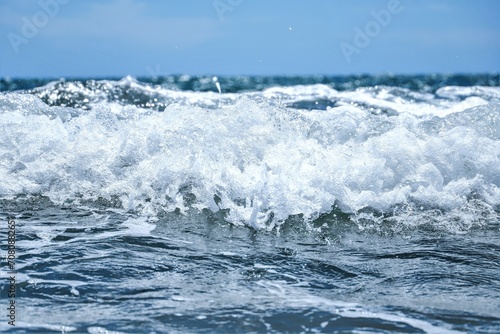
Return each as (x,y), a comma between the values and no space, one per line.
(91,38)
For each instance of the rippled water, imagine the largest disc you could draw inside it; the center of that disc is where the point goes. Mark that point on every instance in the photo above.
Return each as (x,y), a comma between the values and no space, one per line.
(363,204)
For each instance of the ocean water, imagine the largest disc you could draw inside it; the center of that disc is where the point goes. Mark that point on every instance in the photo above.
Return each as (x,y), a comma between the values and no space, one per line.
(367,204)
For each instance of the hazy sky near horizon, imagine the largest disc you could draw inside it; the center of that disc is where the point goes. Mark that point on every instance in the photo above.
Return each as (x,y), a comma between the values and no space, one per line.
(98,38)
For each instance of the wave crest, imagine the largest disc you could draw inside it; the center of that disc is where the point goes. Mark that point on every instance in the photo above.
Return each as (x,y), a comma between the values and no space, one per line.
(257,161)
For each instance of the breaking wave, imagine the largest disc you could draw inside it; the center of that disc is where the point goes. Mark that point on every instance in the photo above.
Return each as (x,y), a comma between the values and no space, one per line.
(377,155)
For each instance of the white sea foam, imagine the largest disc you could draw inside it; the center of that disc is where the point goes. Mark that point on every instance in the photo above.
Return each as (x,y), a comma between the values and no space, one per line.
(260,160)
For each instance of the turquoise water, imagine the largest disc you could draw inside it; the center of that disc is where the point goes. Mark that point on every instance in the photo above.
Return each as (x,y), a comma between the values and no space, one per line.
(307,204)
